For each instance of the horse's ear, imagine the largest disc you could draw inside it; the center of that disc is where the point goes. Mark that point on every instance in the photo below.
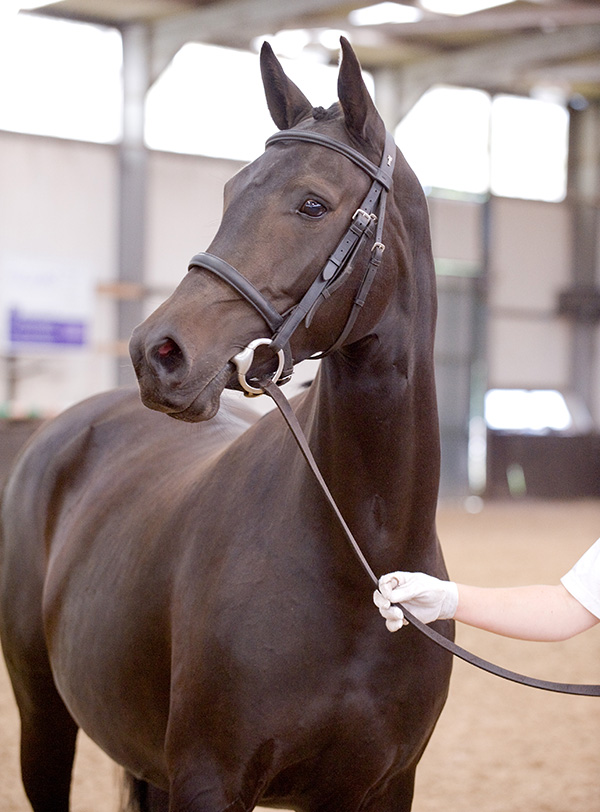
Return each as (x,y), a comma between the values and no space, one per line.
(287,103)
(362,119)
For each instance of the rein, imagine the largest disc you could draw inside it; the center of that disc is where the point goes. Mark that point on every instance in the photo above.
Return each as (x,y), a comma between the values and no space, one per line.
(559,687)
(333,274)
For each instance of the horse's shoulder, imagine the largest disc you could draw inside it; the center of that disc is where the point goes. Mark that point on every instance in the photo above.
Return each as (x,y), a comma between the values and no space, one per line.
(113,434)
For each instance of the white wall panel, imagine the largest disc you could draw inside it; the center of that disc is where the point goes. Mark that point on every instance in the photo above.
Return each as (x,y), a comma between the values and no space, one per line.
(528,344)
(57,207)
(528,354)
(455,229)
(530,257)
(184,211)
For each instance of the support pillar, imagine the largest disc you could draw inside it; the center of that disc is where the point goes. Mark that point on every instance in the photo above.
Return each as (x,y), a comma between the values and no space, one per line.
(133,171)
(581,302)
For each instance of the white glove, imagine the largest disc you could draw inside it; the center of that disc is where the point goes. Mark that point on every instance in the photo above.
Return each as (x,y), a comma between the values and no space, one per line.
(426,597)
(393,615)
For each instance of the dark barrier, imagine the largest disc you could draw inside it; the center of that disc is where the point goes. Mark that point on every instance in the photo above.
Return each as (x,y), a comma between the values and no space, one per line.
(549,466)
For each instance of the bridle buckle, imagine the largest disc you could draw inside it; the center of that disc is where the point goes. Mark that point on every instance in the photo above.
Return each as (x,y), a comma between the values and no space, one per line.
(367,215)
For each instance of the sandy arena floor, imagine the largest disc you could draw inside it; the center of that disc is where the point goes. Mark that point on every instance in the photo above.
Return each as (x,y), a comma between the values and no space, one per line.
(498,747)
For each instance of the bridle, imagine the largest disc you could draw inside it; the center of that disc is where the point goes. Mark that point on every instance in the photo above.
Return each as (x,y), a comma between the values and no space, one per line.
(333,274)
(370,214)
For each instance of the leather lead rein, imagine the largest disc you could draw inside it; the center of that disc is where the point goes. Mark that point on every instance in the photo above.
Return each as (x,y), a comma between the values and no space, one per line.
(292,421)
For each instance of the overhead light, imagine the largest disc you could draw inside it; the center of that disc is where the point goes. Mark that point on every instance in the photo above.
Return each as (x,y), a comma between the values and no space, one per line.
(385,13)
(456,8)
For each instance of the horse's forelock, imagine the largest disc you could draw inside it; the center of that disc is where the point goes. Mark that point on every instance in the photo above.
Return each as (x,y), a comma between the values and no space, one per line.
(321,114)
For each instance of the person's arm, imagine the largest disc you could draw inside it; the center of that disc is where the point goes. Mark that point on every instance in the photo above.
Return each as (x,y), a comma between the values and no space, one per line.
(542,613)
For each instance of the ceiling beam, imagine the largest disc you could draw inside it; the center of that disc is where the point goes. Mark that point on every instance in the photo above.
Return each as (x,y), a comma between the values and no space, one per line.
(217,23)
(506,18)
(501,65)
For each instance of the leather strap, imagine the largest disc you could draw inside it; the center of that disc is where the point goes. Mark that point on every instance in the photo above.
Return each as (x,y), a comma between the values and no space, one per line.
(244,287)
(292,421)
(380,173)
(334,265)
(251,294)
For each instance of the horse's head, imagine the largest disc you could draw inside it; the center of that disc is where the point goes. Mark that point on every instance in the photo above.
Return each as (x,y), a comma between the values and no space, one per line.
(284,216)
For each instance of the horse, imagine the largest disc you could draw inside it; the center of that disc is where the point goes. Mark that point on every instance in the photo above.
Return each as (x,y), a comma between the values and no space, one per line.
(178,588)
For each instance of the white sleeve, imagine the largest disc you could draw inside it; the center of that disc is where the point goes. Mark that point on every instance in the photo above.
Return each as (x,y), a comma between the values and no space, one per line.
(583,580)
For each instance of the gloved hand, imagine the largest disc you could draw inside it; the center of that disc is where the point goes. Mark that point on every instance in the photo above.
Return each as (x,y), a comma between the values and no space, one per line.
(426,597)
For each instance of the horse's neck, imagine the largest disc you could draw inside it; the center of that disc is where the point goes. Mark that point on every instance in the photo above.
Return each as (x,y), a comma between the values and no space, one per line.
(372,424)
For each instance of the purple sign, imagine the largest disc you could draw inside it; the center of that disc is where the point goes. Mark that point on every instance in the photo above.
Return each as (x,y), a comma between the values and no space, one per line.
(37,330)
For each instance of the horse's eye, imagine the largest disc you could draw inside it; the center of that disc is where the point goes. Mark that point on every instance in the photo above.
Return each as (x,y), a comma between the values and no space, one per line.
(312,208)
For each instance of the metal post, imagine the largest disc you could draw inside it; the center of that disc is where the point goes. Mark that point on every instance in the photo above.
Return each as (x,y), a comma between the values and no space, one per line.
(133,170)
(581,303)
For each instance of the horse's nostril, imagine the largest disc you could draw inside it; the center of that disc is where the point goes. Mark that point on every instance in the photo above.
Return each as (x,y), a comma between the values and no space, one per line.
(168,348)
(168,355)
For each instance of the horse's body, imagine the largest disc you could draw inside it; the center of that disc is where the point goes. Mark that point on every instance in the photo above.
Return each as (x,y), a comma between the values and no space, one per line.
(181,592)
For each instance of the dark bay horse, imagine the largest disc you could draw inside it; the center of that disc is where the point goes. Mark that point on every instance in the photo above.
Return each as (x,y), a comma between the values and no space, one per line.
(178,588)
